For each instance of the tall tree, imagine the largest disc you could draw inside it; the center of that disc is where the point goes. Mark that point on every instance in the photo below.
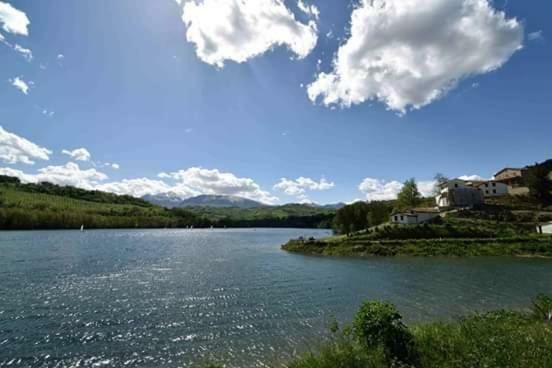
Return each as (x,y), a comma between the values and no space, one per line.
(539,184)
(409,196)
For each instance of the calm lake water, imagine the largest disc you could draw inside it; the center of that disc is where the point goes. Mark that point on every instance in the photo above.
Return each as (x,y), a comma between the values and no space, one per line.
(168,298)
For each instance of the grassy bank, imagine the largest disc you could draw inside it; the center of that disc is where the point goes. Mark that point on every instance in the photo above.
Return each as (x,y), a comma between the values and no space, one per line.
(377,338)
(454,236)
(517,246)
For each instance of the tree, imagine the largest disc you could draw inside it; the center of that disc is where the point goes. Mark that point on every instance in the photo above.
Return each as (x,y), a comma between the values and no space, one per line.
(379,212)
(361,215)
(409,196)
(439,179)
(539,184)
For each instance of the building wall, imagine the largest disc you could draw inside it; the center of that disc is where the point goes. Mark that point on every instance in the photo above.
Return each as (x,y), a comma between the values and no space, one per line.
(493,189)
(455,184)
(410,219)
(509,174)
(460,197)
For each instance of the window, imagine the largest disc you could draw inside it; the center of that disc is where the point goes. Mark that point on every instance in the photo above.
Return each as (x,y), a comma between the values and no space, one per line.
(486,192)
(402,218)
(494,191)
(456,185)
(396,218)
(494,184)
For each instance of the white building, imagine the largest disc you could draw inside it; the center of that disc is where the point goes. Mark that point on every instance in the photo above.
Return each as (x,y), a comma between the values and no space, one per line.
(414,217)
(545,228)
(493,189)
(456,193)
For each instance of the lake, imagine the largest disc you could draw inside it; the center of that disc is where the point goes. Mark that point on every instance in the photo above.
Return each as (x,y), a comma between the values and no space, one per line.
(169,298)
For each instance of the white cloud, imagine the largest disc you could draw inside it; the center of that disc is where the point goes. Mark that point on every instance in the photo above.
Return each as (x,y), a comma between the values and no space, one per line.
(71,174)
(79,154)
(426,187)
(299,186)
(25,178)
(15,149)
(13,20)
(184,183)
(115,166)
(380,190)
(408,53)
(68,174)
(535,36)
(472,177)
(26,53)
(139,187)
(204,181)
(21,85)
(239,30)
(310,10)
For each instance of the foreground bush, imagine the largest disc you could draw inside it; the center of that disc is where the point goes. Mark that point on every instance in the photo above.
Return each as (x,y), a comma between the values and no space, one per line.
(378,339)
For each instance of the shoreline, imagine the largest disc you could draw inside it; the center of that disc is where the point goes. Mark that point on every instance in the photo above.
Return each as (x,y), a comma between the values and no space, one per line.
(524,247)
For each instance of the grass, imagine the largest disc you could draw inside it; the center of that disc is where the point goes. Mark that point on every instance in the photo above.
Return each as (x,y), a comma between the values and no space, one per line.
(454,236)
(500,339)
(492,340)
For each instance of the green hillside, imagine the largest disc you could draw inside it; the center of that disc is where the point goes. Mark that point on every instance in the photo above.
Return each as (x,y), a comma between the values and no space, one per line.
(21,208)
(294,215)
(49,206)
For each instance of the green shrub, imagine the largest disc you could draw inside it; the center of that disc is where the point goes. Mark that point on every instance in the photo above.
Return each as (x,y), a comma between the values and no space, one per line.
(379,325)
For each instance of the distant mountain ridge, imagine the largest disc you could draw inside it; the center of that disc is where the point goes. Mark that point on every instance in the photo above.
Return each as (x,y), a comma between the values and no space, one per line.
(171,200)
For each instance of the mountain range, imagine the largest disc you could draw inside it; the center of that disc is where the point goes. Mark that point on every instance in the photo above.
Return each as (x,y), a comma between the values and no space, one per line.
(172,200)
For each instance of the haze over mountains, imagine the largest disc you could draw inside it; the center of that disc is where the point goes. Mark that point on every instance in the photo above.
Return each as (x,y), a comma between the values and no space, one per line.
(171,200)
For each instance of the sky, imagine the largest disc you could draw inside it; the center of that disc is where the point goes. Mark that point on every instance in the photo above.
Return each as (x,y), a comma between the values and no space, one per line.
(272,100)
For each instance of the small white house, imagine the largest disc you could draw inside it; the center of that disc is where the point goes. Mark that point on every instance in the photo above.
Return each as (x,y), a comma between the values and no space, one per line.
(545,228)
(414,217)
(493,189)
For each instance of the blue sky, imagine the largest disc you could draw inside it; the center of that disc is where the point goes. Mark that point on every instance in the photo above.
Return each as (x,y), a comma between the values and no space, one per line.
(222,106)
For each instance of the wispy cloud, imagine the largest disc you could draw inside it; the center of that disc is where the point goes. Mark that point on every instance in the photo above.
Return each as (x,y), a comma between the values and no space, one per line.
(535,36)
(79,154)
(301,185)
(21,85)
(26,53)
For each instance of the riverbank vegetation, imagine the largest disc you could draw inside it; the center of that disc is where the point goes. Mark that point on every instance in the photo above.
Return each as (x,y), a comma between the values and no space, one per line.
(49,206)
(463,233)
(378,338)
